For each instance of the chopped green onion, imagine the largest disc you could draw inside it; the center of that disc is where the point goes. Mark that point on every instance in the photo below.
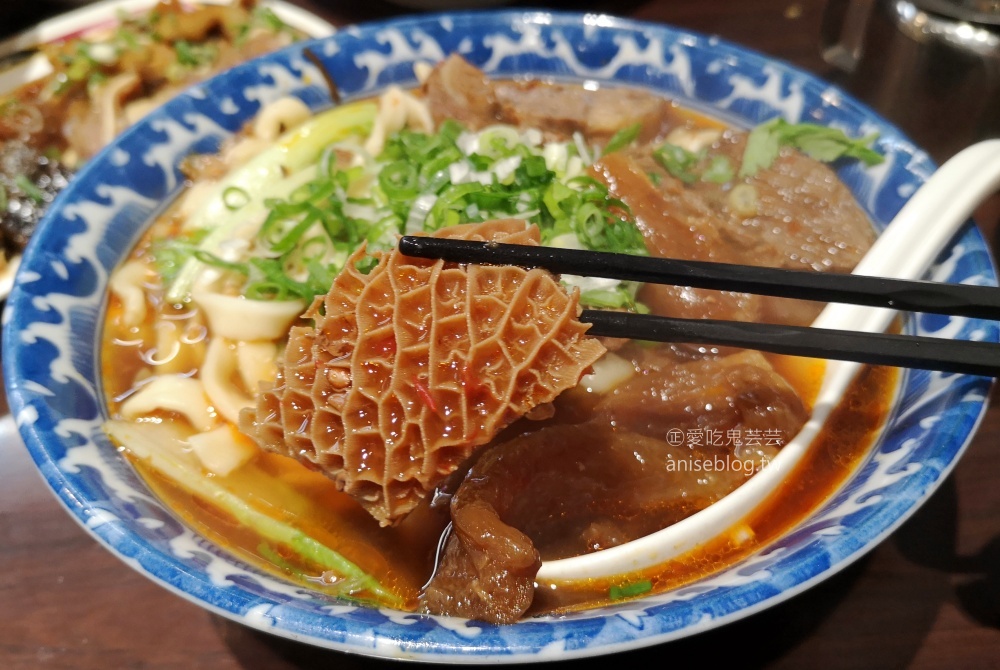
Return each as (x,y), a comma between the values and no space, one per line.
(819,142)
(209,258)
(334,225)
(622,138)
(234,198)
(605,299)
(399,179)
(292,237)
(719,170)
(449,203)
(620,297)
(678,161)
(194,55)
(29,189)
(292,160)
(306,234)
(274,273)
(265,290)
(630,590)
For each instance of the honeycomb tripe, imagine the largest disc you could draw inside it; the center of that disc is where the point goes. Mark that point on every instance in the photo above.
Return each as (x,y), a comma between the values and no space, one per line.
(410,367)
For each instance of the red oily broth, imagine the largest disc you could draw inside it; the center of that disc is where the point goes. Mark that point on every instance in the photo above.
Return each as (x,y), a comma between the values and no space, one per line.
(836,453)
(402,557)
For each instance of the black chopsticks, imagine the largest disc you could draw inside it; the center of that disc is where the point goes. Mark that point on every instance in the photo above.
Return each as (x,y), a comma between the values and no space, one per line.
(905,351)
(981,302)
(960,356)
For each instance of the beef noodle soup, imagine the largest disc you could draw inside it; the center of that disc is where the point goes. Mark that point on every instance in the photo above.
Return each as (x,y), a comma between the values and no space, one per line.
(421,434)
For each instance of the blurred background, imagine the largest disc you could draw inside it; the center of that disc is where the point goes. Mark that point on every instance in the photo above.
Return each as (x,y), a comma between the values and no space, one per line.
(931,66)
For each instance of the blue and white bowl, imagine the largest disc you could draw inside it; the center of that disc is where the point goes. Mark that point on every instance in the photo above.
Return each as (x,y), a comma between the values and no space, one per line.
(55,314)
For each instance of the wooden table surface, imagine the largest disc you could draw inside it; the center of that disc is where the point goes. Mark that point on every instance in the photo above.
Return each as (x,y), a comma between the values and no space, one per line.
(928,597)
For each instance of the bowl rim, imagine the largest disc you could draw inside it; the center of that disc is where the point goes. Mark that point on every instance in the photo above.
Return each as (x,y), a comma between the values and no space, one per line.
(125,546)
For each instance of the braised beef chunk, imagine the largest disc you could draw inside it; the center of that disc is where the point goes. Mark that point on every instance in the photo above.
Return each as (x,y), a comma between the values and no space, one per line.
(675,223)
(803,216)
(620,486)
(806,220)
(459,91)
(714,396)
(598,114)
(794,214)
(487,570)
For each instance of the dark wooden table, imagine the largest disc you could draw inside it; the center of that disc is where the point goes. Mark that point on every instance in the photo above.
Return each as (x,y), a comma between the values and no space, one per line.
(928,597)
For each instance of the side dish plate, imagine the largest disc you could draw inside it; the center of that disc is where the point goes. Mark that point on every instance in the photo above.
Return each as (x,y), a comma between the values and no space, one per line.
(106,12)
(20,63)
(52,366)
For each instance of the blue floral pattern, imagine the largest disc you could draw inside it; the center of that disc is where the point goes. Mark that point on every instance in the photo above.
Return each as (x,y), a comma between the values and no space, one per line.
(54,317)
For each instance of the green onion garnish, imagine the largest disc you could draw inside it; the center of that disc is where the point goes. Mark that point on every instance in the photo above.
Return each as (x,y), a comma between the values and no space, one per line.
(678,161)
(622,138)
(421,182)
(29,189)
(820,142)
(234,198)
(719,170)
(630,590)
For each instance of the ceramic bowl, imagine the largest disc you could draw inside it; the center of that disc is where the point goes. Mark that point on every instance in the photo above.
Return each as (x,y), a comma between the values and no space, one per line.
(55,312)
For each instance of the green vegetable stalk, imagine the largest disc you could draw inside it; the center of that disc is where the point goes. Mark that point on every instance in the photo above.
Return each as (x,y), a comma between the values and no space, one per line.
(630,590)
(155,445)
